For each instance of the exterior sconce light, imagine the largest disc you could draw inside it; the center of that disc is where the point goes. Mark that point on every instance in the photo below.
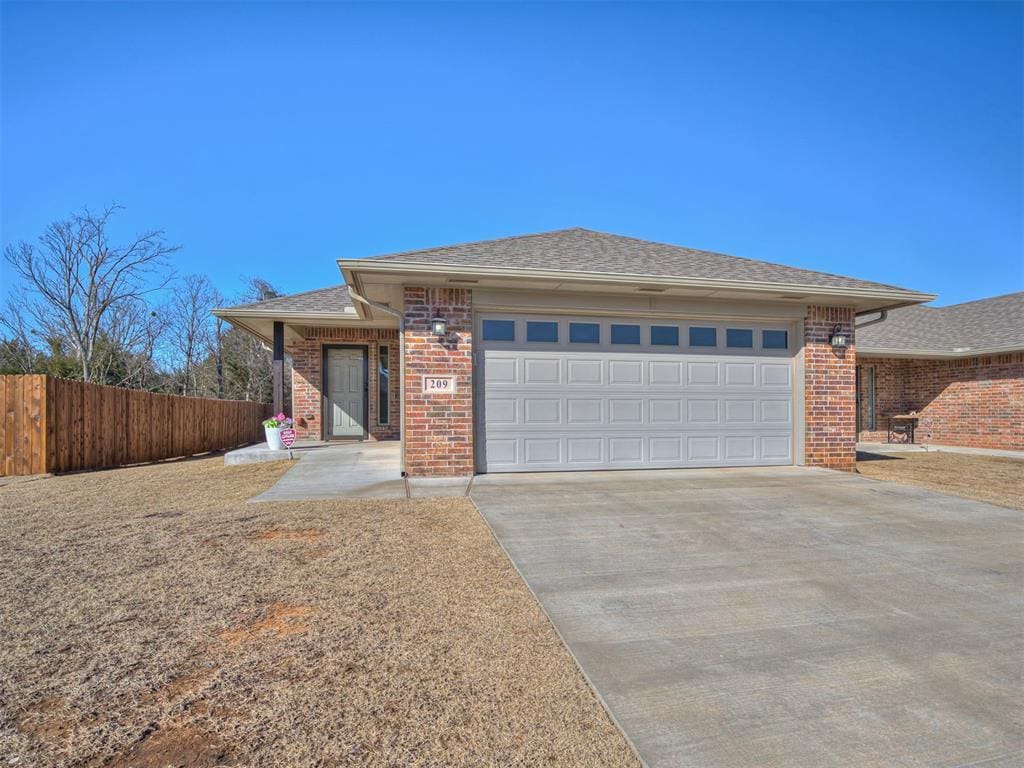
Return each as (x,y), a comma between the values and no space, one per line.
(838,338)
(439,327)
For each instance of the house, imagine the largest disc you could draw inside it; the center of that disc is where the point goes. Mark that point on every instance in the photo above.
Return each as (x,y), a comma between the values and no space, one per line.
(577,349)
(960,368)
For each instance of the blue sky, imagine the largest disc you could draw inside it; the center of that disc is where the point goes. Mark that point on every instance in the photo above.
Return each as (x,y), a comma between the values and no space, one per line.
(877,140)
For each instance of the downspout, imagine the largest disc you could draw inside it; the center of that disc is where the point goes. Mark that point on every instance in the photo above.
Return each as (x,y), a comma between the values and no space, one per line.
(401,366)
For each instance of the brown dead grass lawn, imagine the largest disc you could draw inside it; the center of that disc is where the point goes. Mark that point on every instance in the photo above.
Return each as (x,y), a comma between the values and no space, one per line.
(993,479)
(150,617)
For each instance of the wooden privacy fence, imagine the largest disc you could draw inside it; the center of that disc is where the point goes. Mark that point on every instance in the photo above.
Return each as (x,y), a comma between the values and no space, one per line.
(59,425)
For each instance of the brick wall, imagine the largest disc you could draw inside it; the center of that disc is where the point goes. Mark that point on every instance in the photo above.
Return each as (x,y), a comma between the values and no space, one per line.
(438,428)
(976,402)
(830,427)
(307,379)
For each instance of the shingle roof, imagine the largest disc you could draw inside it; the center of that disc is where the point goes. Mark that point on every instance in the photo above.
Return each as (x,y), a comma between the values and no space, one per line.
(584,250)
(995,323)
(322,300)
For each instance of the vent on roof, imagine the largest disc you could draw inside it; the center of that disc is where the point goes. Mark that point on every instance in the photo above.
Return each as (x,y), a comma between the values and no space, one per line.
(464,280)
(651,290)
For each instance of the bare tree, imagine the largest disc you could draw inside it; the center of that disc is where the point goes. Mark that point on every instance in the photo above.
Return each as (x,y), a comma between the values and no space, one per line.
(191,327)
(83,289)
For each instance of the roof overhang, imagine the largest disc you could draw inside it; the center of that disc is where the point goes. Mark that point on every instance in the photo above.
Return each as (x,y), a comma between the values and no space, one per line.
(936,354)
(260,322)
(366,274)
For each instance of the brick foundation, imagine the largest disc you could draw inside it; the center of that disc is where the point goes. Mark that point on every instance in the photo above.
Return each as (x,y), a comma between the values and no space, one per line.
(830,425)
(976,402)
(438,428)
(307,379)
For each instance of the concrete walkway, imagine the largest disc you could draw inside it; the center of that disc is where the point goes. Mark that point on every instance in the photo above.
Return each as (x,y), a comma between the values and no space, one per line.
(366,470)
(779,617)
(923,448)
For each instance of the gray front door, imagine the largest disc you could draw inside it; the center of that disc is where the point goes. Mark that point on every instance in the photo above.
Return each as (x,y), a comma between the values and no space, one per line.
(346,392)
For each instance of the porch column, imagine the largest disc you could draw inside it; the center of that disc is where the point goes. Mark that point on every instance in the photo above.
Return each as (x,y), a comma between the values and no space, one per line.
(278,366)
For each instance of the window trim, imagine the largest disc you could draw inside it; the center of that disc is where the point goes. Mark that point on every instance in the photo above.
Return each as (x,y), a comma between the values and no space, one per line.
(552,323)
(625,327)
(730,345)
(503,322)
(384,353)
(651,328)
(785,337)
(584,324)
(689,336)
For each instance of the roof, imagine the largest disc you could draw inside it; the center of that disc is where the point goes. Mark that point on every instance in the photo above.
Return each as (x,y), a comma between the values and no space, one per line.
(587,251)
(959,330)
(321,301)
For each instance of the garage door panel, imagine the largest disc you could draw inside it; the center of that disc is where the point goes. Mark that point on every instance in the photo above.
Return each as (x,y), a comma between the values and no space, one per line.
(665,412)
(542,450)
(542,371)
(665,374)
(550,406)
(585,412)
(776,375)
(501,370)
(740,374)
(585,372)
(739,412)
(702,373)
(625,372)
(626,411)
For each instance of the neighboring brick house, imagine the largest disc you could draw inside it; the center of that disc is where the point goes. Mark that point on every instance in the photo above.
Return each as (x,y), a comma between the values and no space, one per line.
(577,349)
(959,368)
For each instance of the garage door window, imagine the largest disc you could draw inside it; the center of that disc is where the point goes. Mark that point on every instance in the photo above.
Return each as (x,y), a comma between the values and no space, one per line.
(584,333)
(537,331)
(703,337)
(742,338)
(664,336)
(499,330)
(774,339)
(625,334)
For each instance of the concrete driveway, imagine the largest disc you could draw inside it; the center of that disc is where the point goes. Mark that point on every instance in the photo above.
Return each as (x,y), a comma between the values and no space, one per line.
(779,617)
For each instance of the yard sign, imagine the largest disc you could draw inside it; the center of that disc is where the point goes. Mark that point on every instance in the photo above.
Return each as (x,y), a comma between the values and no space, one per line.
(288,437)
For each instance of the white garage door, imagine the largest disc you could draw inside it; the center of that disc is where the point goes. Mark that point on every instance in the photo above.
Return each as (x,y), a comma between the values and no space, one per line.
(559,393)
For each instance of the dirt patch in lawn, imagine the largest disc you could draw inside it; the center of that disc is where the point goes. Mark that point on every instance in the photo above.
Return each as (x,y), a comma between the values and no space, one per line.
(182,745)
(152,617)
(993,479)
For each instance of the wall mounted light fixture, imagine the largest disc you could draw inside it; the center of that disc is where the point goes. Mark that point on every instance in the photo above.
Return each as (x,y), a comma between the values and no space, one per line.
(838,339)
(438,326)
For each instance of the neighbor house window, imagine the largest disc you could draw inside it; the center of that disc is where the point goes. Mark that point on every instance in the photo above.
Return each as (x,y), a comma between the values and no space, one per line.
(584,333)
(703,337)
(383,383)
(665,335)
(774,339)
(499,330)
(538,331)
(739,337)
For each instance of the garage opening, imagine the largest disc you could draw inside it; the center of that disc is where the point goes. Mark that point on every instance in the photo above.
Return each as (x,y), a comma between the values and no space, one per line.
(563,393)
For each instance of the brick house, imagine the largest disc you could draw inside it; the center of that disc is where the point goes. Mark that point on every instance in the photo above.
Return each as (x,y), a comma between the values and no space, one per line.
(959,368)
(577,349)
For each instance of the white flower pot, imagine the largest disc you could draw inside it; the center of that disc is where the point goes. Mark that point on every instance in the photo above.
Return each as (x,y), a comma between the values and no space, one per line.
(274,438)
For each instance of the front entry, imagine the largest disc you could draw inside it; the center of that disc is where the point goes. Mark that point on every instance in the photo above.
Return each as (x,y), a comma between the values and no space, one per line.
(346,392)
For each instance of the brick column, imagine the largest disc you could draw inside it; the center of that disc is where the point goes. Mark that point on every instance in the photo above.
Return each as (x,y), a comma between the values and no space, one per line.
(438,428)
(830,386)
